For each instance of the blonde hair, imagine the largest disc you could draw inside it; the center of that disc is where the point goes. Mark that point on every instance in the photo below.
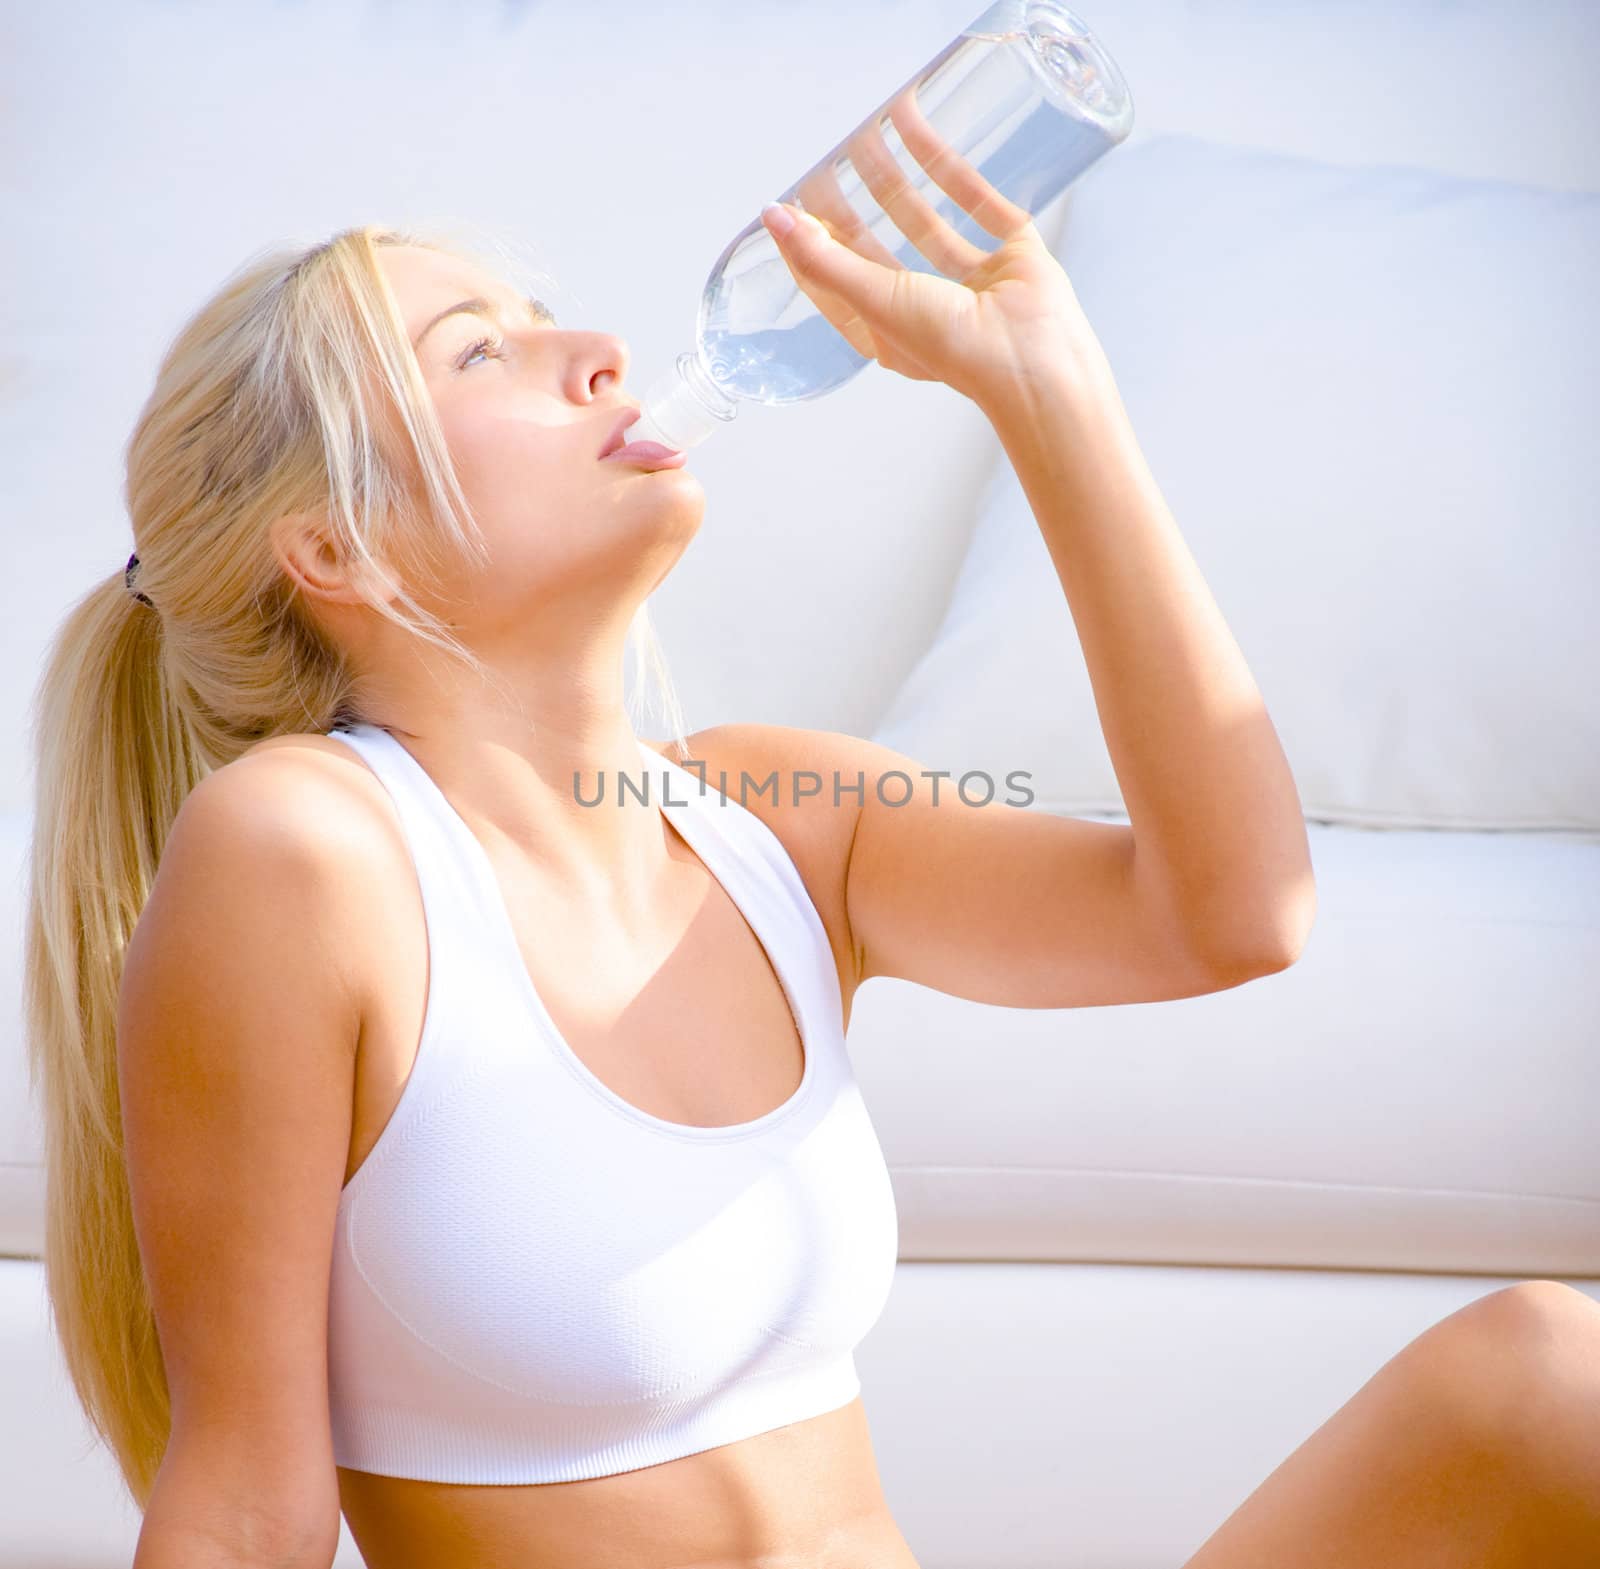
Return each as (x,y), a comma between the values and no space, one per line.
(293,389)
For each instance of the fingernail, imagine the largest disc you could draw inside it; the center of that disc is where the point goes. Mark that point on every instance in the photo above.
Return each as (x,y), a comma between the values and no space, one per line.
(779,219)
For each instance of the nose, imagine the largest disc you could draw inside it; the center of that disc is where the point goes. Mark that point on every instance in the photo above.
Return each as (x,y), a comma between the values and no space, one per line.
(603,353)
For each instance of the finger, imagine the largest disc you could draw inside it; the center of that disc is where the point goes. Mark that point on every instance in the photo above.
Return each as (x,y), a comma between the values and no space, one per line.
(839,312)
(964,184)
(820,195)
(822,265)
(915,217)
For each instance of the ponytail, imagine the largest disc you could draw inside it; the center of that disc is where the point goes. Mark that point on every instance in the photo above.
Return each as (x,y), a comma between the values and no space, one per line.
(114,762)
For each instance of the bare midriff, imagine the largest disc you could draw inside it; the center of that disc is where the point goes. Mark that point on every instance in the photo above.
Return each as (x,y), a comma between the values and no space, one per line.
(805,1496)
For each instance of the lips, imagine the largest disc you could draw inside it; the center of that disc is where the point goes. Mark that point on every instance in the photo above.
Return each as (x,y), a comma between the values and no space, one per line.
(614,440)
(648,454)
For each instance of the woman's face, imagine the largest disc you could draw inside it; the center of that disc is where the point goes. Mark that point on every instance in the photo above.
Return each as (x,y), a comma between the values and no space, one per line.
(526,408)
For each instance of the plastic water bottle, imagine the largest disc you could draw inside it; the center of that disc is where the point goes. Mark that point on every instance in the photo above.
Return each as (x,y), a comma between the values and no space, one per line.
(1024,94)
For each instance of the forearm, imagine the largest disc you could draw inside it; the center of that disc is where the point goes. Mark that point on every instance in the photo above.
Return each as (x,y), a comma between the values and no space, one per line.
(1216,819)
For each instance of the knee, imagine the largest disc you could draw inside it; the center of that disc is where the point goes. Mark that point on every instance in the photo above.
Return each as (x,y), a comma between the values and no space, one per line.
(1527,1361)
(1549,1326)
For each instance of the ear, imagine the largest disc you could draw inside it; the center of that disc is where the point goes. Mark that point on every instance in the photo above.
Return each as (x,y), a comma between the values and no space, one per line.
(311,558)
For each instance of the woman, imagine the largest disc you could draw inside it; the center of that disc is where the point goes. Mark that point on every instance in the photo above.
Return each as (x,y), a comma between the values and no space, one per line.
(487,1161)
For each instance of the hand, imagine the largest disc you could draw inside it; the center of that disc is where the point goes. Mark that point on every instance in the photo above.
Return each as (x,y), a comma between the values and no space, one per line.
(1010,318)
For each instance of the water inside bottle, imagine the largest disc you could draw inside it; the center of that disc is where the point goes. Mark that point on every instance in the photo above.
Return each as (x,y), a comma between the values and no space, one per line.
(1029,109)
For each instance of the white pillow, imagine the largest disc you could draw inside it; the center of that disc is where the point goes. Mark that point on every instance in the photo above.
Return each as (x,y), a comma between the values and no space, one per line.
(1369,398)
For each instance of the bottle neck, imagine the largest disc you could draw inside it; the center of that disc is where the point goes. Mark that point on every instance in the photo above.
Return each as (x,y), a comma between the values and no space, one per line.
(683,406)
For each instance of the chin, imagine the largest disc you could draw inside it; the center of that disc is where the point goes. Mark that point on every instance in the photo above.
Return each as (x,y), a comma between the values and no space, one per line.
(677,502)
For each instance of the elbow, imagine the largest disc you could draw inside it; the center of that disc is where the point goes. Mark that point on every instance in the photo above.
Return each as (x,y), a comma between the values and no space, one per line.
(1282,938)
(1275,938)
(1273,960)
(169,1545)
(1223,974)
(194,1518)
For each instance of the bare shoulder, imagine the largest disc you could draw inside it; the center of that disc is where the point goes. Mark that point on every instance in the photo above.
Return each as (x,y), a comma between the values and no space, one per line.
(303,817)
(785,775)
(314,795)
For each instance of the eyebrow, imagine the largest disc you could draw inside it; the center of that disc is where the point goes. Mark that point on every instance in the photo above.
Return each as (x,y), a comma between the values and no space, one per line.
(481,307)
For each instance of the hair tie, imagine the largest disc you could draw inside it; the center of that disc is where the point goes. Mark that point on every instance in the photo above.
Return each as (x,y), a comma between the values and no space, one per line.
(127,580)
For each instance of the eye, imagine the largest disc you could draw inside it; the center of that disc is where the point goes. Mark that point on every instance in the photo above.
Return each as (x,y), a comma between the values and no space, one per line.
(489,346)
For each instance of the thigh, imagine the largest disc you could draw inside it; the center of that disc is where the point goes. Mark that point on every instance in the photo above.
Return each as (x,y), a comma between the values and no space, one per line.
(1432,1463)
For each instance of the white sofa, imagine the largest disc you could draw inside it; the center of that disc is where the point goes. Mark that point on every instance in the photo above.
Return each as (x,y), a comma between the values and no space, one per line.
(1338,270)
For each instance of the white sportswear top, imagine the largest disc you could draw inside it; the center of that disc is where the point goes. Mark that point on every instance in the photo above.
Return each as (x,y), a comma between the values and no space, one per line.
(535,1281)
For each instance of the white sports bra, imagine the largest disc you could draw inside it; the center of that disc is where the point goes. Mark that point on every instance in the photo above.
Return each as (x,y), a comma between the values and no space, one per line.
(533,1280)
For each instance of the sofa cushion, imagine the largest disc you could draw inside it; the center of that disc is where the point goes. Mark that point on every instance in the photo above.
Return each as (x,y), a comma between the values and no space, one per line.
(1366,396)
(1416,1092)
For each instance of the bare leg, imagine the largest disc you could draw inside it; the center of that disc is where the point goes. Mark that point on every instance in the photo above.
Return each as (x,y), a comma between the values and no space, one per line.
(1476,1447)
